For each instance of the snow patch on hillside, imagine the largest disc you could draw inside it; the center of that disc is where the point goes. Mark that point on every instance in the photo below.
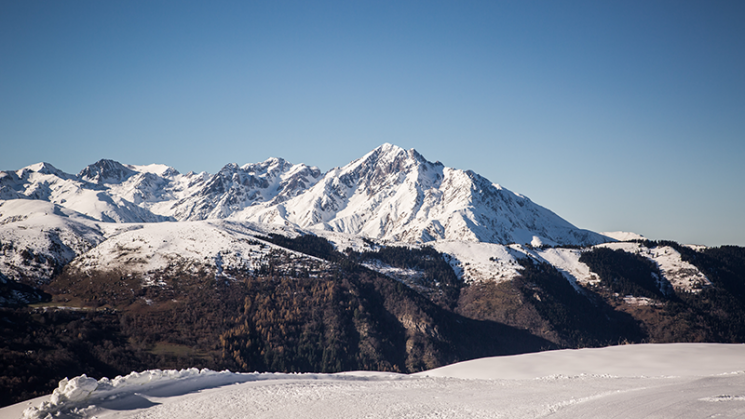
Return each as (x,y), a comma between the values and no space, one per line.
(679,273)
(567,262)
(478,262)
(407,276)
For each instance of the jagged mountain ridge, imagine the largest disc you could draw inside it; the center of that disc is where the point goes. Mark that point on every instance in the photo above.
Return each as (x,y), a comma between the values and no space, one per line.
(388,194)
(394,194)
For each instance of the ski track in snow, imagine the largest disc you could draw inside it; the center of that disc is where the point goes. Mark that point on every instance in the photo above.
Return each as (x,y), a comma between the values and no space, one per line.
(648,381)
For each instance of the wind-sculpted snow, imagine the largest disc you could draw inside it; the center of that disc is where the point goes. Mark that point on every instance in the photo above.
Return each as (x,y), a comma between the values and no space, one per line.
(73,395)
(633,381)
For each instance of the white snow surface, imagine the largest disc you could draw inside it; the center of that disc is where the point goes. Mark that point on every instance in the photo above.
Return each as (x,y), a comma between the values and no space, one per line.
(477,262)
(148,218)
(39,237)
(493,262)
(567,262)
(633,381)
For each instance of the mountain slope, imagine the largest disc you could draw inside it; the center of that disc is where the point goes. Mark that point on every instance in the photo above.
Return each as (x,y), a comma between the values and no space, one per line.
(38,238)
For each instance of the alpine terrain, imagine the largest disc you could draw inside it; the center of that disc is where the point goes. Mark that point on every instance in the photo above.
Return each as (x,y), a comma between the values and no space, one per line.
(389,263)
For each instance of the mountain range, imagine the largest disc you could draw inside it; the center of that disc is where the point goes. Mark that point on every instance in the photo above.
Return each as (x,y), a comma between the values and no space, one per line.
(391,262)
(389,194)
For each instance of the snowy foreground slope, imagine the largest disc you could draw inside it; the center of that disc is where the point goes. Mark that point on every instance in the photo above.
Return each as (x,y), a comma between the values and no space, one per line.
(633,381)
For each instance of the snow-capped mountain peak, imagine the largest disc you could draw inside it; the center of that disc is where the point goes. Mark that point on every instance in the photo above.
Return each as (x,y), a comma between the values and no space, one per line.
(43,168)
(105,171)
(396,194)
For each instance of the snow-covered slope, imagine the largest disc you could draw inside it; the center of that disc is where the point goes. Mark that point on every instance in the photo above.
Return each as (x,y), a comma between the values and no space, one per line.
(623,236)
(633,381)
(88,193)
(217,246)
(37,238)
(652,360)
(388,194)
(235,189)
(478,262)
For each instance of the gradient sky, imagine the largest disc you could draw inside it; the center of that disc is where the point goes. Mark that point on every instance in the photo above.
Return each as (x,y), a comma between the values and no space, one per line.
(616,115)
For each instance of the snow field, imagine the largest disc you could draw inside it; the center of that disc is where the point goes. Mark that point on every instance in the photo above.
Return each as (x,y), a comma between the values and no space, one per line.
(52,234)
(660,381)
(476,262)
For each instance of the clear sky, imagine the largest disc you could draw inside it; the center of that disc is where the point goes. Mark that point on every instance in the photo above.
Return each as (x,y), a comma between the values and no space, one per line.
(616,115)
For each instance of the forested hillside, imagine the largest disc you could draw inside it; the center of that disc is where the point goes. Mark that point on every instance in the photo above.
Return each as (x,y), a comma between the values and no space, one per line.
(331,312)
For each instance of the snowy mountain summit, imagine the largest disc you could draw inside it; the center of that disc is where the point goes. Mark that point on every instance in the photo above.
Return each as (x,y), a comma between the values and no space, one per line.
(395,194)
(389,194)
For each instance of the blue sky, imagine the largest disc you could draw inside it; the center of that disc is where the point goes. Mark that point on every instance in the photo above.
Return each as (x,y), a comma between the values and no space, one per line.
(625,115)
